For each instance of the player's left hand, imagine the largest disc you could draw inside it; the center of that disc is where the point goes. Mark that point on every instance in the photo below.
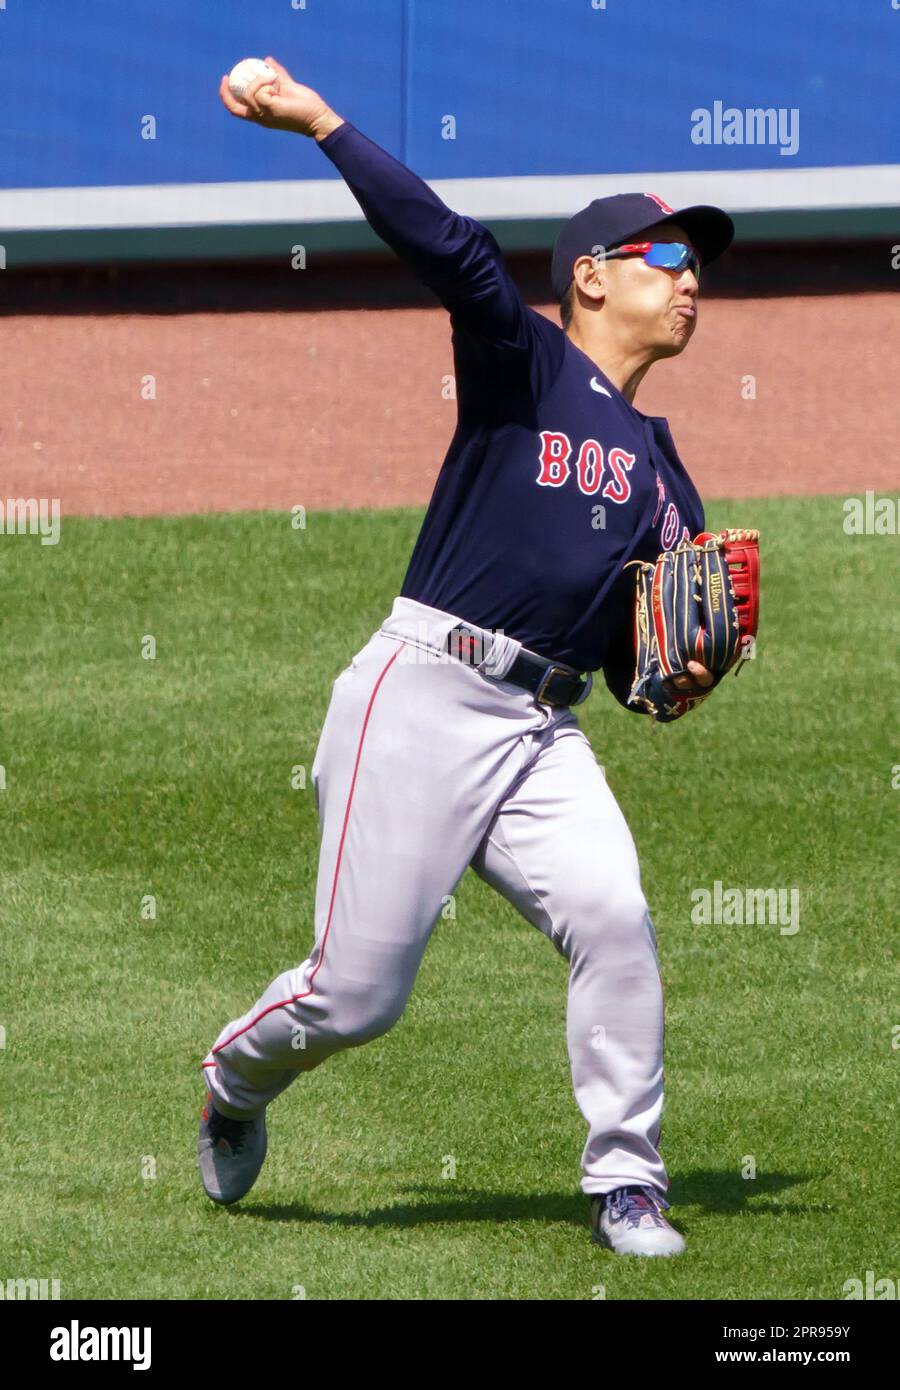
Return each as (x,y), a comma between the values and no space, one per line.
(702,677)
(699,600)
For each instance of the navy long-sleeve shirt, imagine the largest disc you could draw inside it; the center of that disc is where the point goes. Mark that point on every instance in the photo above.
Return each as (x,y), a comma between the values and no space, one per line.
(552,481)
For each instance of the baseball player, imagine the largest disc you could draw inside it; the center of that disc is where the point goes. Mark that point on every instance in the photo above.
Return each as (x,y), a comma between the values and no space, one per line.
(450,739)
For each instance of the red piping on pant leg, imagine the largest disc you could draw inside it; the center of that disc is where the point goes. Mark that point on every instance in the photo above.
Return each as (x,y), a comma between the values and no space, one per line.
(337,867)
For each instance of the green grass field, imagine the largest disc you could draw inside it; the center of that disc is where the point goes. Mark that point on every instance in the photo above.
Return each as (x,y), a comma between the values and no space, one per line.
(127,777)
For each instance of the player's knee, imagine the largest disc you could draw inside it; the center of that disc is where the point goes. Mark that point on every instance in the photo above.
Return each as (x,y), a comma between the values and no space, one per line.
(368,1017)
(613,922)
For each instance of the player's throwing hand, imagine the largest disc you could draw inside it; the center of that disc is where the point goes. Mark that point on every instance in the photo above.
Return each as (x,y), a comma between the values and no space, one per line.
(282,104)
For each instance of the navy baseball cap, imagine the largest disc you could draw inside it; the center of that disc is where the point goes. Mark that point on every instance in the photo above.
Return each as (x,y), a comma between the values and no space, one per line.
(611,221)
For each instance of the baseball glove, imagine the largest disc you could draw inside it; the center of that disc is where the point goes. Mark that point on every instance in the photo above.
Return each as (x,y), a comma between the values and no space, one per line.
(698,602)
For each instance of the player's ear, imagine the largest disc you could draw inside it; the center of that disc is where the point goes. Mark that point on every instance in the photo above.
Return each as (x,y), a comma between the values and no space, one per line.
(589,274)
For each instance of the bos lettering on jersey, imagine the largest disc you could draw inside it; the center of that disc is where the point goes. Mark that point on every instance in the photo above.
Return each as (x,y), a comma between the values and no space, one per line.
(594,471)
(605,473)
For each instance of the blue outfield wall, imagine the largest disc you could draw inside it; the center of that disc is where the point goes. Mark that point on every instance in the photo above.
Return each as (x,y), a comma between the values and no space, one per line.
(523,108)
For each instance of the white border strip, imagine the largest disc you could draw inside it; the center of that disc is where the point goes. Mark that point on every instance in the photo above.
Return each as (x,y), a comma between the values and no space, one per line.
(329,200)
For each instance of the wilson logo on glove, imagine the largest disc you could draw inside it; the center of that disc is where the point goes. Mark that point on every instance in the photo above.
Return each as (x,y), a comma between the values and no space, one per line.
(698,602)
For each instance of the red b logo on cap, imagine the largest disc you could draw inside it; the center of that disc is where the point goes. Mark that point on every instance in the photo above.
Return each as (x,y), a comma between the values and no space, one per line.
(665,206)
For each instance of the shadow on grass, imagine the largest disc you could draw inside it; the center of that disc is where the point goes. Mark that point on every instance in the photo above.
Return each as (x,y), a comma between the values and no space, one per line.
(728,1194)
(725,1194)
(434,1207)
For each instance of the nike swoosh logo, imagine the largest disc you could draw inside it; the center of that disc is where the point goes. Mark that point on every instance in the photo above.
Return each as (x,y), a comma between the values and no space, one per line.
(595,386)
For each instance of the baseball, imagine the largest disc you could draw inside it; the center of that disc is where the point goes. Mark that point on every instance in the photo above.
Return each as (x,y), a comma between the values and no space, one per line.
(243,73)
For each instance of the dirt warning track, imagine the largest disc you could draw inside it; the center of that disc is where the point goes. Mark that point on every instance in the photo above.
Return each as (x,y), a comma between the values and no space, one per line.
(353,407)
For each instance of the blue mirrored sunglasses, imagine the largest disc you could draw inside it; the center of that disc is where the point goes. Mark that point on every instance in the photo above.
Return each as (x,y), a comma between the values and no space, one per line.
(668,255)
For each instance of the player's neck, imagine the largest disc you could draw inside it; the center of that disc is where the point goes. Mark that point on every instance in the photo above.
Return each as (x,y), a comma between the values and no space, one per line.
(625,369)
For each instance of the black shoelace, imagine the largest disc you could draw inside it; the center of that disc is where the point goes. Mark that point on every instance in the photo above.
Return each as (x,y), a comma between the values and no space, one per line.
(234,1131)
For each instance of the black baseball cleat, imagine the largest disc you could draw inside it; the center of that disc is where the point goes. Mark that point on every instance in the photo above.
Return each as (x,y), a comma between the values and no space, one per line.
(230,1153)
(630,1221)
